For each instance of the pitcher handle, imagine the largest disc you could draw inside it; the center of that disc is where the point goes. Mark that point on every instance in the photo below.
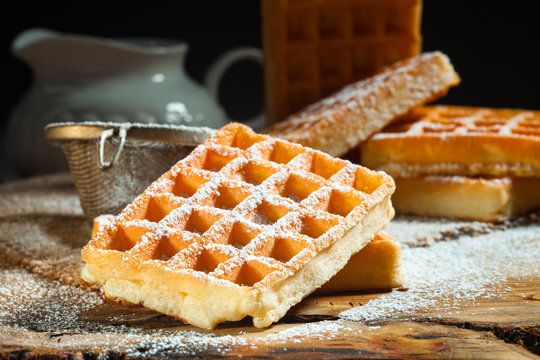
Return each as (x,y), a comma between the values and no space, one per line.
(221,64)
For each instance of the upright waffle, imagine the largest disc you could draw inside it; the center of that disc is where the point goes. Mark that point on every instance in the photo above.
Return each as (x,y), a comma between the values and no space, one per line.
(458,141)
(343,120)
(314,47)
(245,225)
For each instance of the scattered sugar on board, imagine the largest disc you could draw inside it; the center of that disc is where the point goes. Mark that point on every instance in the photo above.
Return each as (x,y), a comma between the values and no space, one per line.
(446,274)
(56,193)
(30,301)
(62,309)
(439,278)
(49,305)
(415,231)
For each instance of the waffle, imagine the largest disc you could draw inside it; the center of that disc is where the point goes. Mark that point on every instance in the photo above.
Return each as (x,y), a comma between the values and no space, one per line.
(244,225)
(377,266)
(340,122)
(314,47)
(458,141)
(466,197)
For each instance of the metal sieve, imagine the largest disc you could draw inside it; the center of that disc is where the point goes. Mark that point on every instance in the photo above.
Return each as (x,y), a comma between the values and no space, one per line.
(112,163)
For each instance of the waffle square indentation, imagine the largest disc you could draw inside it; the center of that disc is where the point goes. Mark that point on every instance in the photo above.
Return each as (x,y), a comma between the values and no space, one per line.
(280,152)
(125,237)
(315,225)
(333,23)
(239,140)
(212,158)
(229,195)
(169,245)
(240,234)
(209,259)
(284,248)
(301,25)
(325,166)
(335,64)
(298,186)
(342,202)
(196,220)
(365,20)
(188,181)
(250,272)
(300,66)
(267,213)
(255,171)
(159,207)
(200,220)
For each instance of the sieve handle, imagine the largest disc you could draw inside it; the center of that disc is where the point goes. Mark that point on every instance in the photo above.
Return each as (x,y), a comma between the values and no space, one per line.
(106,134)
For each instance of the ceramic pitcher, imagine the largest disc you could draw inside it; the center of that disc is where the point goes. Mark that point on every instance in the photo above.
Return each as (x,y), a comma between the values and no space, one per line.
(82,78)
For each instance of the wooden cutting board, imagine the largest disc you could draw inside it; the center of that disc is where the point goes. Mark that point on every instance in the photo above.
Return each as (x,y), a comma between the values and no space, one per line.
(474,292)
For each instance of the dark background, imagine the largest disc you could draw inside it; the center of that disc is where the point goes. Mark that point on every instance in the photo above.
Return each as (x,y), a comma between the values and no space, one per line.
(494,46)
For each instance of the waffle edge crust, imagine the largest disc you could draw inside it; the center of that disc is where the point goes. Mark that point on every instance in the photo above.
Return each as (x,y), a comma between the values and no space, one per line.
(338,123)
(245,225)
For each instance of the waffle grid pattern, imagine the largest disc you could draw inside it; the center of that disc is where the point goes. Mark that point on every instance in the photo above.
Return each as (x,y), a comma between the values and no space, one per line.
(452,140)
(455,121)
(315,47)
(244,209)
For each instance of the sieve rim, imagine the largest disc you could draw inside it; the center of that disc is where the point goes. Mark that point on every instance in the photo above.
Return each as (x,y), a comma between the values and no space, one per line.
(62,132)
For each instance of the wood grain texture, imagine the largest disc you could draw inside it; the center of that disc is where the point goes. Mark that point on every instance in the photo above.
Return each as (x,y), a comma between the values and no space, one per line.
(42,230)
(355,340)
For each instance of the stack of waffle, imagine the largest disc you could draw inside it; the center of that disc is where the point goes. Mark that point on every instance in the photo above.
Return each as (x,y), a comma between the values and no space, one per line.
(474,163)
(249,224)
(469,163)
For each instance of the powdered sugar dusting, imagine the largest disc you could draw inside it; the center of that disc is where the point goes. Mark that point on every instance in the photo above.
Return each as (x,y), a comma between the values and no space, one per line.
(440,277)
(417,231)
(30,304)
(322,331)
(444,275)
(29,301)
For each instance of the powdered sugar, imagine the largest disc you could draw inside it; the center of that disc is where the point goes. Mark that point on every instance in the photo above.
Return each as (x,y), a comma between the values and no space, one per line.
(444,275)
(441,277)
(323,330)
(31,302)
(415,231)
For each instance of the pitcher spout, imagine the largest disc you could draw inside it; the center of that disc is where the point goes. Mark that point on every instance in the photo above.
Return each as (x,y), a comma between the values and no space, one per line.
(30,37)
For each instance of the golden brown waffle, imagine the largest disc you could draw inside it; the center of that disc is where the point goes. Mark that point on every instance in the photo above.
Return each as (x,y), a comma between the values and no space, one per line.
(314,47)
(458,141)
(340,122)
(377,266)
(482,199)
(245,225)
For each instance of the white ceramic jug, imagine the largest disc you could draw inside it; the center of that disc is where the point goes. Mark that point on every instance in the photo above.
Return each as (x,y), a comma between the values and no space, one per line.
(82,78)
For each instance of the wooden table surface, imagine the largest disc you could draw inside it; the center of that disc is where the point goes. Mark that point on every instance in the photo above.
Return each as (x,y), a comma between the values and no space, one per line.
(45,311)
